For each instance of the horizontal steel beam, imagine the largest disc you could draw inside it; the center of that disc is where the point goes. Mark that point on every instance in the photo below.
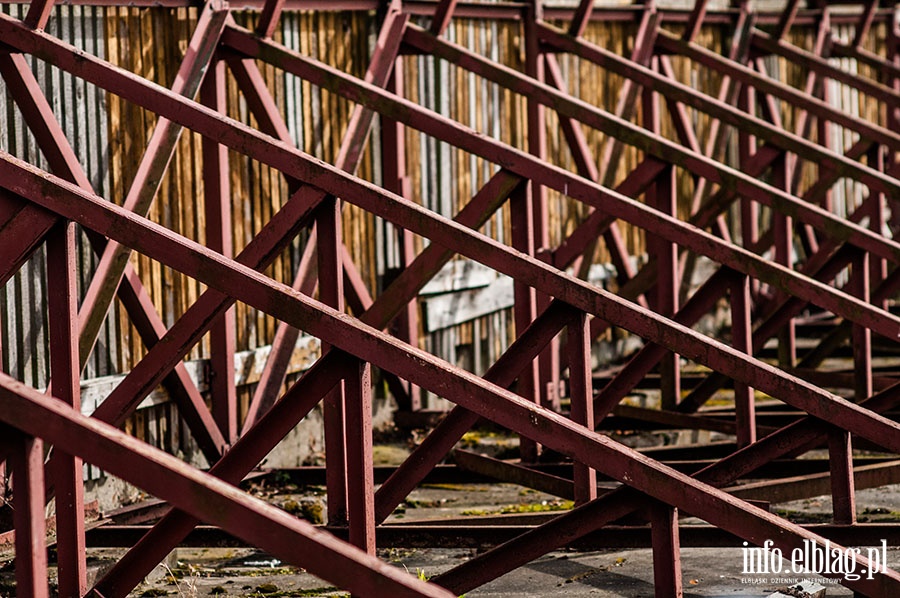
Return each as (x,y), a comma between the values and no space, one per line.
(440,535)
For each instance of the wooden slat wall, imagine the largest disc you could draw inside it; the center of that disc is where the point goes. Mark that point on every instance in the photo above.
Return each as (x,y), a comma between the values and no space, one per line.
(110,136)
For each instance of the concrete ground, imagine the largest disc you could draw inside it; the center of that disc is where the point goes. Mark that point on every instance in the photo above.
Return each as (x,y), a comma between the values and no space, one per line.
(601,574)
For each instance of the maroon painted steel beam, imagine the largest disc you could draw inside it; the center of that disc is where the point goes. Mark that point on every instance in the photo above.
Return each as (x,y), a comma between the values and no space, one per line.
(668,151)
(866,57)
(865,23)
(587,168)
(442,15)
(581,18)
(219,230)
(598,221)
(331,292)
(728,93)
(613,149)
(268,18)
(39,12)
(673,229)
(695,20)
(724,112)
(513,473)
(578,348)
(433,374)
(349,156)
(824,264)
(787,19)
(501,11)
(68,484)
(590,517)
(765,43)
(251,448)
(666,552)
(204,496)
(360,474)
(165,246)
(741,338)
(843,488)
(808,102)
(525,236)
(260,438)
(395,178)
(646,359)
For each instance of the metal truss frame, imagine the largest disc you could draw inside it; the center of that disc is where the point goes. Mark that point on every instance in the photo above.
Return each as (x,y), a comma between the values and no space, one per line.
(38,207)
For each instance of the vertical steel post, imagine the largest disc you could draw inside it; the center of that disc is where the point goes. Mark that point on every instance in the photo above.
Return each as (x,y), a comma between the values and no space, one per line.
(522,223)
(663,196)
(746,151)
(783,226)
(742,340)
(395,179)
(67,472)
(443,13)
(549,362)
(27,468)
(892,112)
(360,480)
(331,293)
(861,336)
(217,202)
(843,490)
(824,128)
(878,210)
(666,551)
(667,288)
(581,394)
(840,443)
